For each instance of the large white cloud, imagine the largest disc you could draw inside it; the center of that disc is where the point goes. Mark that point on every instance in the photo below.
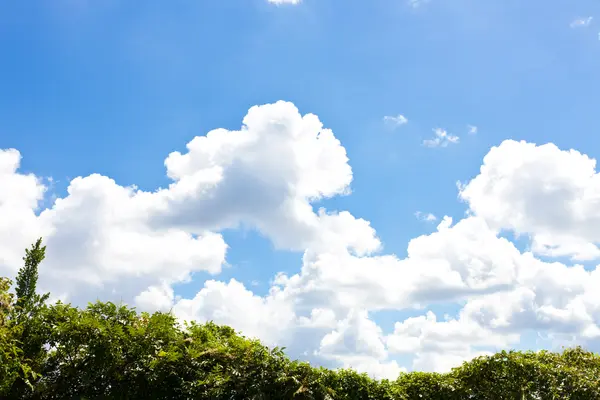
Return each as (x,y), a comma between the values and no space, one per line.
(448,265)
(264,175)
(99,235)
(542,191)
(99,238)
(117,242)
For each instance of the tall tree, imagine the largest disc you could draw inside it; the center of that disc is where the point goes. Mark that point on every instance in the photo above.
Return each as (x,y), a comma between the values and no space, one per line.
(27,317)
(27,297)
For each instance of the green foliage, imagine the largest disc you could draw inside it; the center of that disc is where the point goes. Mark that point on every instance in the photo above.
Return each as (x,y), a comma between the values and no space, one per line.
(427,386)
(25,320)
(10,353)
(109,351)
(28,276)
(532,375)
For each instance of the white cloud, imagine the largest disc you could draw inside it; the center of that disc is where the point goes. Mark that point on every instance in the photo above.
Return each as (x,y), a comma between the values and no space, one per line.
(155,298)
(441,139)
(440,345)
(447,265)
(232,304)
(20,195)
(427,217)
(357,335)
(319,318)
(541,191)
(109,225)
(357,342)
(395,121)
(581,22)
(551,298)
(98,236)
(264,175)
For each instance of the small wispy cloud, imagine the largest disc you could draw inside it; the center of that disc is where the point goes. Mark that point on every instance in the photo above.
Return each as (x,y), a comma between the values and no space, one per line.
(278,2)
(427,217)
(472,129)
(442,139)
(581,22)
(417,3)
(396,121)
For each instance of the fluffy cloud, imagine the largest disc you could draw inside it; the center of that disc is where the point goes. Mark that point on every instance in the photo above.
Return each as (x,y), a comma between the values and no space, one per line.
(356,335)
(441,345)
(264,175)
(232,304)
(357,342)
(448,265)
(118,242)
(97,237)
(541,191)
(552,298)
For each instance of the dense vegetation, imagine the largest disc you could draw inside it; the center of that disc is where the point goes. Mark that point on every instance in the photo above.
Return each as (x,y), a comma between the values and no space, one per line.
(57,351)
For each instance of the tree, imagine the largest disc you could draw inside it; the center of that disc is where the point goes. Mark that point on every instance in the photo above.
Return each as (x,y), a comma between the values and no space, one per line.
(26,320)
(27,298)
(10,363)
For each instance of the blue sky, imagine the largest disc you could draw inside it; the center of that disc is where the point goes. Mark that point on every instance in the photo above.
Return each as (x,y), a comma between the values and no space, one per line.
(114,87)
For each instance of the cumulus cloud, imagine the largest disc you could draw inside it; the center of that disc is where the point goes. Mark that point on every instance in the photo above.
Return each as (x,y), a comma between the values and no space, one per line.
(441,139)
(441,345)
(264,175)
(540,191)
(357,342)
(100,240)
(232,304)
(448,265)
(118,242)
(109,226)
